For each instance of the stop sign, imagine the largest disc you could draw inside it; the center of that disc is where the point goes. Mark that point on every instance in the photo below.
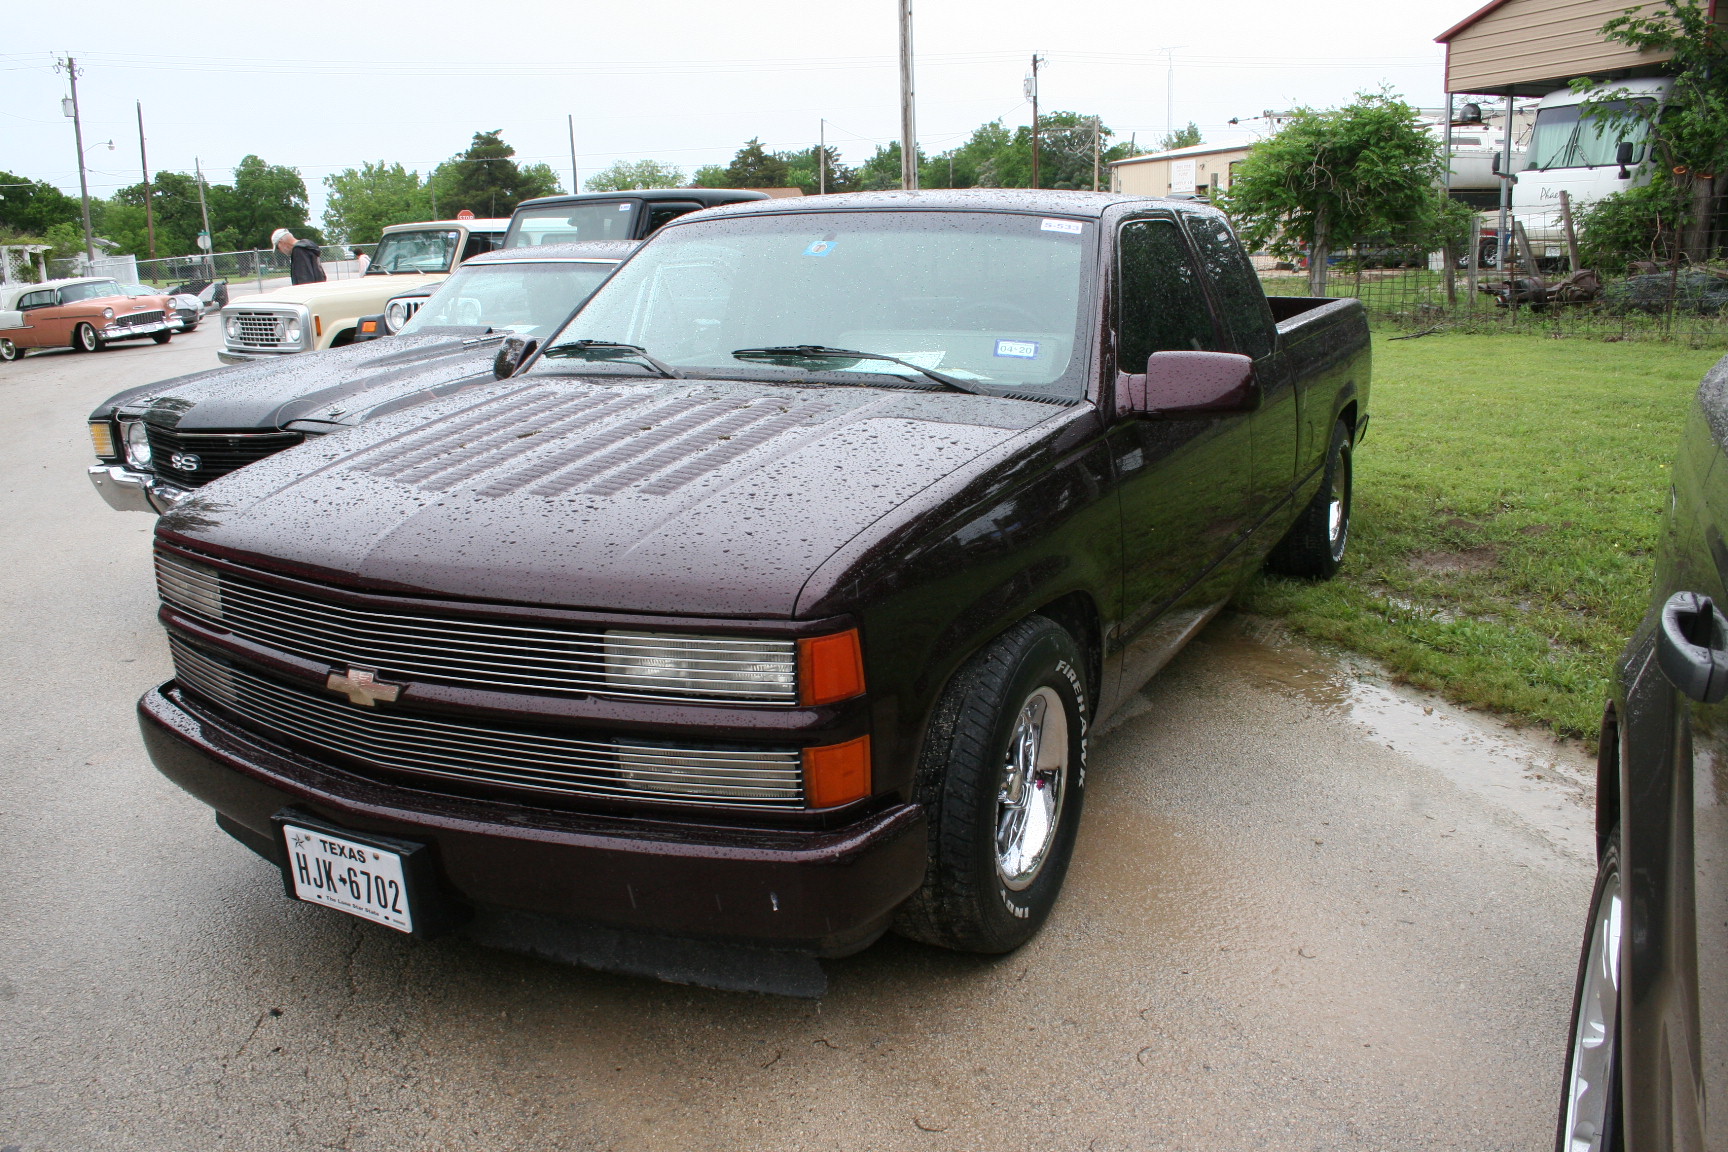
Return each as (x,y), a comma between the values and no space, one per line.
(465,214)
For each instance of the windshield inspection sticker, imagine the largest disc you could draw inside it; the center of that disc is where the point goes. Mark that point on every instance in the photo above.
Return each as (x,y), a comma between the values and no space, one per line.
(623,207)
(1072,227)
(1019,349)
(821,247)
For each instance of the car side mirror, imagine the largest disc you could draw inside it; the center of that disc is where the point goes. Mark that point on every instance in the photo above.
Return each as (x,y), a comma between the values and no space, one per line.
(1623,155)
(511,355)
(1178,384)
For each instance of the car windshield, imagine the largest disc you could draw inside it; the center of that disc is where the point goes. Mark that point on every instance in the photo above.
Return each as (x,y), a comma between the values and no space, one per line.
(531,299)
(430,250)
(561,223)
(1565,137)
(988,298)
(75,292)
(139,290)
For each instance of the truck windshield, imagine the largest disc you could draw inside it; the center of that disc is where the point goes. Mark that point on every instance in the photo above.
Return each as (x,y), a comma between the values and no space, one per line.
(1567,138)
(430,250)
(990,298)
(559,223)
(531,299)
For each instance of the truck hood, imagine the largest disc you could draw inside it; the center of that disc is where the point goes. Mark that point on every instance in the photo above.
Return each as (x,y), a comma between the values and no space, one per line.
(342,297)
(329,389)
(665,497)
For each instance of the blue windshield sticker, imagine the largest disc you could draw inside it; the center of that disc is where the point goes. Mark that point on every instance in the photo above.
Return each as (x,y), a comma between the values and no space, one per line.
(820,247)
(1019,349)
(623,207)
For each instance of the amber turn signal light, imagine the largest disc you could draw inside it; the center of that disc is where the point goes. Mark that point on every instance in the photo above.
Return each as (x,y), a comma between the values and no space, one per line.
(837,773)
(368,325)
(102,438)
(830,668)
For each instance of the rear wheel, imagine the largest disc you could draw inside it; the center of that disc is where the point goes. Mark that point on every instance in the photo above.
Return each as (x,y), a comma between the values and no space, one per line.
(8,351)
(1590,1107)
(1314,547)
(1001,777)
(84,339)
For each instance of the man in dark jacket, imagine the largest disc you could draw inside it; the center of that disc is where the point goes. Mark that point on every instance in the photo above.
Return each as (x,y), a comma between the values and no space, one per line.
(304,263)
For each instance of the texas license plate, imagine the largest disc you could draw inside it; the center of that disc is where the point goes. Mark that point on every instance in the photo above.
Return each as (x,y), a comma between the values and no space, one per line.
(363,880)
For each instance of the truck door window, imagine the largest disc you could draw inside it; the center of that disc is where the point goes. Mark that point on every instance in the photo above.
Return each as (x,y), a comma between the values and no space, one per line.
(1163,306)
(479,242)
(1234,285)
(659,214)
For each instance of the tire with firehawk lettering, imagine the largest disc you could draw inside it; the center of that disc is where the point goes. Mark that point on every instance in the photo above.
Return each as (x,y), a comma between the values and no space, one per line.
(1002,776)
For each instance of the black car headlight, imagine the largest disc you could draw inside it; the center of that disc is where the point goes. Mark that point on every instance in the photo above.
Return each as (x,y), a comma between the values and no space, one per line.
(137,444)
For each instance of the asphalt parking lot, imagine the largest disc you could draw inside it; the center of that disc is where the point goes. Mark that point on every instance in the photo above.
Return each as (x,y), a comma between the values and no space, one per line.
(1307,912)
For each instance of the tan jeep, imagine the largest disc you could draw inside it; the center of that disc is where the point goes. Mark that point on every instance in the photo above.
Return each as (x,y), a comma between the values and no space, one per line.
(307,317)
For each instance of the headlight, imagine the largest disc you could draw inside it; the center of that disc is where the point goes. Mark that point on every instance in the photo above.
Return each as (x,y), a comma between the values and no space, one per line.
(107,313)
(396,315)
(232,327)
(731,667)
(291,333)
(102,438)
(137,444)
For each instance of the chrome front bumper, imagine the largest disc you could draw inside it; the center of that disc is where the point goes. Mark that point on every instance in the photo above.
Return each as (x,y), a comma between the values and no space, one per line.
(235,356)
(117,332)
(129,491)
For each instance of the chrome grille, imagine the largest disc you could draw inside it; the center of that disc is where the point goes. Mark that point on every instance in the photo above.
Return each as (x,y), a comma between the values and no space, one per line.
(138,318)
(261,329)
(214,453)
(540,657)
(433,748)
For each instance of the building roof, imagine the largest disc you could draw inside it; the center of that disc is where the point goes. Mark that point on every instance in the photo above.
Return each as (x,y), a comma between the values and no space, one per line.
(1184,153)
(1446,36)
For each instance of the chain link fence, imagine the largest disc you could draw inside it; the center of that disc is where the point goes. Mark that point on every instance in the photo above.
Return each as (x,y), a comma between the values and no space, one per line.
(257,270)
(1538,283)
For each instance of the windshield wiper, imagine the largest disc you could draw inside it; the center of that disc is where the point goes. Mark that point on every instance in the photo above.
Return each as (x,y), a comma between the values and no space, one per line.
(612,350)
(816,354)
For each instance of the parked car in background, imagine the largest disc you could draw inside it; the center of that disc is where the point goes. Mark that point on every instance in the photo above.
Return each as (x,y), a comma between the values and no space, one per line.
(87,313)
(158,443)
(184,310)
(1647,1065)
(309,317)
(593,216)
(771,602)
(213,294)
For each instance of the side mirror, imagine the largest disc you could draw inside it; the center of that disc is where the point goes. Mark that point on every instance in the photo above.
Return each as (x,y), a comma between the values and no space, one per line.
(1494,164)
(1179,384)
(1623,156)
(511,355)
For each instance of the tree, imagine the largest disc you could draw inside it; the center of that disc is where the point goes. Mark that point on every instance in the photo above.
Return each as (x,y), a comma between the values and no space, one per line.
(485,180)
(365,201)
(1181,138)
(755,167)
(1688,131)
(624,175)
(32,207)
(803,171)
(263,198)
(1368,169)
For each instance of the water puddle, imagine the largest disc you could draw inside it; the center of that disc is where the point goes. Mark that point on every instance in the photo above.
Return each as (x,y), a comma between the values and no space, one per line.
(1545,782)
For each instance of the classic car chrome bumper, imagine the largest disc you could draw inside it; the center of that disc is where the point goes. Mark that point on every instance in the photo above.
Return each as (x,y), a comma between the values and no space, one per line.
(129,331)
(129,491)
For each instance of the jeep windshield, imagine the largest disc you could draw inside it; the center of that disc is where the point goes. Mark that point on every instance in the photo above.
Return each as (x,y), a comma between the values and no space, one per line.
(989,298)
(562,223)
(530,299)
(430,250)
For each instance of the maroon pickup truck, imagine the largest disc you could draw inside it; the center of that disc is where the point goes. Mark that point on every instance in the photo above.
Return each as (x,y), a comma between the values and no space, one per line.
(767,605)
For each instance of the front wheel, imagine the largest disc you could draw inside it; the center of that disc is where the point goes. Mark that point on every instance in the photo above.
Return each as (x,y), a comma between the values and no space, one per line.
(84,339)
(1314,547)
(1590,1107)
(163,337)
(1002,777)
(8,351)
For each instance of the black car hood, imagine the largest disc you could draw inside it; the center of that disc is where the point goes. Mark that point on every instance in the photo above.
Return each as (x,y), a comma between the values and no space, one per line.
(710,499)
(336,387)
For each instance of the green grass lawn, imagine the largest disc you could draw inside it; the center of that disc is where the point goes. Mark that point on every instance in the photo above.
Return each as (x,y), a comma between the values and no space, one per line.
(1507,505)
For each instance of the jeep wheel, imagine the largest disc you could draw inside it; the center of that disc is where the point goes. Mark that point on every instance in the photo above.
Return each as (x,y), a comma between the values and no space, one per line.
(1002,777)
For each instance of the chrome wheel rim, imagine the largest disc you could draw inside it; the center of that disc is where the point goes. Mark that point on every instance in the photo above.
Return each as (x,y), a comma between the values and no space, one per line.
(1338,507)
(8,350)
(87,338)
(1034,786)
(1590,1079)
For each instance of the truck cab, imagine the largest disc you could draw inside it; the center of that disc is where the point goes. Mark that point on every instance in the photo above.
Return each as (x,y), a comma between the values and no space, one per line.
(309,317)
(632,215)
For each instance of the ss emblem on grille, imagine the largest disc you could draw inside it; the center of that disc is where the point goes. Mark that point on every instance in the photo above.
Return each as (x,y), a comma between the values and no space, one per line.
(185,461)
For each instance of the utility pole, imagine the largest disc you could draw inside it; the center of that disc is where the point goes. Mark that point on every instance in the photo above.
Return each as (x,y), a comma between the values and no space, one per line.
(908,125)
(1097,157)
(1503,240)
(575,183)
(1032,94)
(1169,93)
(822,158)
(70,107)
(144,163)
(209,244)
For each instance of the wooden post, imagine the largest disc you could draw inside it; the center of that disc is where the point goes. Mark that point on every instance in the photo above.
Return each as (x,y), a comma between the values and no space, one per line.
(1525,252)
(1572,261)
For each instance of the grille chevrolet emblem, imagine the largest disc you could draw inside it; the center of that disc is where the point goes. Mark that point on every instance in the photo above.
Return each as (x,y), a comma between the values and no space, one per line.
(363,687)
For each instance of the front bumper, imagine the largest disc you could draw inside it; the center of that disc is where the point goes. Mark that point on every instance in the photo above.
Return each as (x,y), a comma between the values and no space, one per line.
(823,893)
(115,332)
(129,491)
(250,356)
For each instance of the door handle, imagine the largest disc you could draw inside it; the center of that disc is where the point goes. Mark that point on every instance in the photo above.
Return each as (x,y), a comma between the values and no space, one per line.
(1692,648)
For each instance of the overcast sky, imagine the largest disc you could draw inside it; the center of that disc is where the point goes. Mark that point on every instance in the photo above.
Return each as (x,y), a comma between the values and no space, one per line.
(323,86)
